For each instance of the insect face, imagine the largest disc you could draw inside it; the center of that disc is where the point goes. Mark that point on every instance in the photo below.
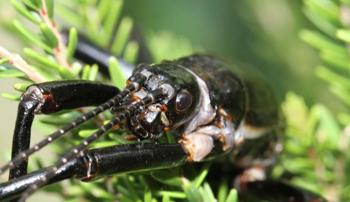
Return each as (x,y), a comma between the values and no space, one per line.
(181,103)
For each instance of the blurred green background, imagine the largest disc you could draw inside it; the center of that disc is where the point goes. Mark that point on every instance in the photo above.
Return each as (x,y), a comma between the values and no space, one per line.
(251,33)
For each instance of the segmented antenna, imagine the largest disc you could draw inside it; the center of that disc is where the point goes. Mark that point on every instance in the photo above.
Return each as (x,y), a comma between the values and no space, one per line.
(78,150)
(133,86)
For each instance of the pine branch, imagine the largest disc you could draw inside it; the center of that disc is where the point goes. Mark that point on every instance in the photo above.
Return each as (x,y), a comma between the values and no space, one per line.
(18,62)
(60,51)
(332,19)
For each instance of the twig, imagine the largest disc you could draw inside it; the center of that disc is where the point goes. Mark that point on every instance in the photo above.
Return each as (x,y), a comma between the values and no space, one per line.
(18,62)
(60,51)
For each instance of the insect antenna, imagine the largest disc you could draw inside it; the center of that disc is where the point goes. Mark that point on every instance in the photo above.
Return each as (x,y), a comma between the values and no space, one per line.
(128,111)
(133,86)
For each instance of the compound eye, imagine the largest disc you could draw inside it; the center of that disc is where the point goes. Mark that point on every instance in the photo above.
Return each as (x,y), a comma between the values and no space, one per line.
(183,101)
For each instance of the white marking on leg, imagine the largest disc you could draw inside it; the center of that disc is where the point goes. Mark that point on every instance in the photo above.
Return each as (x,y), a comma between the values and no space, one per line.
(64,160)
(49,139)
(113,102)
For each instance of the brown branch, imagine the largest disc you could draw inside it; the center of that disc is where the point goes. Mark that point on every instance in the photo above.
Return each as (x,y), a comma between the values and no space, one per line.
(18,62)
(60,51)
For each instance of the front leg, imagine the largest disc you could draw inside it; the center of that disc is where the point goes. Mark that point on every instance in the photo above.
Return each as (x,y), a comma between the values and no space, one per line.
(142,157)
(101,162)
(48,98)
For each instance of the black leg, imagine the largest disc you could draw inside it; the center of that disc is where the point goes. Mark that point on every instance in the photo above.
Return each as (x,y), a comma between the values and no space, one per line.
(133,158)
(48,98)
(12,189)
(22,133)
(275,191)
(90,54)
(145,55)
(103,161)
(143,157)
